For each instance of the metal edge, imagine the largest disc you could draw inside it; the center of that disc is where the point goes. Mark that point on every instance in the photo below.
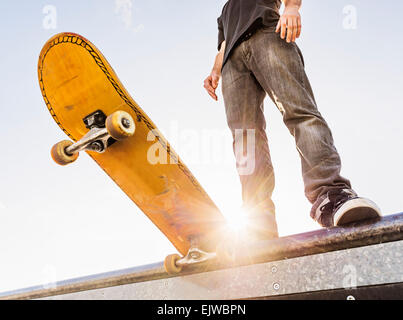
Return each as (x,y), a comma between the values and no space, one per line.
(367,233)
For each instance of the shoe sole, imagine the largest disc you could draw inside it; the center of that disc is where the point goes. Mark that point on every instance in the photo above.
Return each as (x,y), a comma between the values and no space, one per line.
(356,210)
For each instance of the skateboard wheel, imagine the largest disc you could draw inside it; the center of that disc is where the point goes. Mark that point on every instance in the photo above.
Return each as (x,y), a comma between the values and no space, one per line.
(170,264)
(59,154)
(120,125)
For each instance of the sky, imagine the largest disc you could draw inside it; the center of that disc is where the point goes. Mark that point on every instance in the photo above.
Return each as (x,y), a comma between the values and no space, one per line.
(63,222)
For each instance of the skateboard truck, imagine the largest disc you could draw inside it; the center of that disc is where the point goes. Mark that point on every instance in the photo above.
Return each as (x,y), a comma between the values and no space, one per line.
(117,126)
(174,263)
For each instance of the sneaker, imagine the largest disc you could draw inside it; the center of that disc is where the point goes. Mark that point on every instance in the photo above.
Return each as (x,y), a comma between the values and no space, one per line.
(341,207)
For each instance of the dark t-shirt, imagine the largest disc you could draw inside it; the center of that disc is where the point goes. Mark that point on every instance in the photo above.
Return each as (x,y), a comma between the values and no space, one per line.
(239,17)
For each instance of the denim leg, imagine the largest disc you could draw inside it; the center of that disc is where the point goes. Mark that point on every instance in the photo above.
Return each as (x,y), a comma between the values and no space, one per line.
(243,98)
(279,68)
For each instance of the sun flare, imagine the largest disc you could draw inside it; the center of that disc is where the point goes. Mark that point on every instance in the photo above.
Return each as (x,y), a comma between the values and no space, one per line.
(237,221)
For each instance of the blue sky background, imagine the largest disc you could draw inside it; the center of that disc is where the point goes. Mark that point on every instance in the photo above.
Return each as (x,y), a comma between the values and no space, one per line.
(58,223)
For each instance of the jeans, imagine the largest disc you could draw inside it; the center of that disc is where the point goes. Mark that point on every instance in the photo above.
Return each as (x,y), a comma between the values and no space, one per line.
(266,64)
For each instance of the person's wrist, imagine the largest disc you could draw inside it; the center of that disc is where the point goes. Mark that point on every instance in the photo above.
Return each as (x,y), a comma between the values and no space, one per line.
(216,71)
(292,6)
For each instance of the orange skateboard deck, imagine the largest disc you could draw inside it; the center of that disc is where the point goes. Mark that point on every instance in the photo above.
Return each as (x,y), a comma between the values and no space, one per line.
(76,81)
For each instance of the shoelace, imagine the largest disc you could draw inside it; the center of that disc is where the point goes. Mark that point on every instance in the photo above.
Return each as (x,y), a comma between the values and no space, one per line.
(335,201)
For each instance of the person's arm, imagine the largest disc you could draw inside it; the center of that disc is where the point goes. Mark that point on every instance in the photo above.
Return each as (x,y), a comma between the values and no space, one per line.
(211,83)
(289,24)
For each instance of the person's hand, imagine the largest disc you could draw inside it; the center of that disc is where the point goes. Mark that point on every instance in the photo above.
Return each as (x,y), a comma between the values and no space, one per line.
(290,24)
(211,83)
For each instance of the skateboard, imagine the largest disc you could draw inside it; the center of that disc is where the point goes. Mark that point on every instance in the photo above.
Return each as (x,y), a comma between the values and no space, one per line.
(90,105)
